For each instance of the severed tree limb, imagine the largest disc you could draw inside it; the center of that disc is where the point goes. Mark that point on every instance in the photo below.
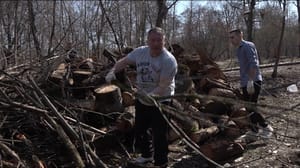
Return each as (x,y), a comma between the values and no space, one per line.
(54,110)
(44,113)
(96,159)
(66,126)
(86,126)
(265,66)
(64,137)
(7,164)
(11,153)
(59,129)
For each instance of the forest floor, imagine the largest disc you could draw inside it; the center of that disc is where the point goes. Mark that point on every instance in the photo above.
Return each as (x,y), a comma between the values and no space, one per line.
(282,110)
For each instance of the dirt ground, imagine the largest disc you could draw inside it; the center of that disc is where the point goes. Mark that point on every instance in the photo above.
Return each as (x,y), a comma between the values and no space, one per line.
(282,110)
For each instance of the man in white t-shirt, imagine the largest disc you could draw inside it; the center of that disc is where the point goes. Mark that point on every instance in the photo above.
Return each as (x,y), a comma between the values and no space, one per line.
(156,69)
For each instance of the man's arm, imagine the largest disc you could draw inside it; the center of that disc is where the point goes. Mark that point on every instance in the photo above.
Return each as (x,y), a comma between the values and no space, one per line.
(253,61)
(167,76)
(162,86)
(121,64)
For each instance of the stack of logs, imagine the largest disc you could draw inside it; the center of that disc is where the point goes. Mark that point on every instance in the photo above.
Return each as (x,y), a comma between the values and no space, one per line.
(205,108)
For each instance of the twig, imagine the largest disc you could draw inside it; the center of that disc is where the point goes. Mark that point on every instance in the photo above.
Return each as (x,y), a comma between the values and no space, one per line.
(11,153)
(54,110)
(59,129)
(86,126)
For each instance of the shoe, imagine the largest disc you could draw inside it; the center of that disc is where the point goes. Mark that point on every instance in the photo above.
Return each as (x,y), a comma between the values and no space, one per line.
(266,132)
(142,160)
(248,137)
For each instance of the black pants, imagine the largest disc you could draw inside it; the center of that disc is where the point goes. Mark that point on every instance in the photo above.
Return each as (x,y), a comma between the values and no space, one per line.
(255,118)
(150,117)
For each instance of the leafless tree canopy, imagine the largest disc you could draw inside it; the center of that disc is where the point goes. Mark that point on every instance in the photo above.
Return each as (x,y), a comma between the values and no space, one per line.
(36,30)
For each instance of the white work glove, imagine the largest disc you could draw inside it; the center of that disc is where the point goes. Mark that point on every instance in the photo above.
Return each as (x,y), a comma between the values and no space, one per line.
(250,87)
(110,76)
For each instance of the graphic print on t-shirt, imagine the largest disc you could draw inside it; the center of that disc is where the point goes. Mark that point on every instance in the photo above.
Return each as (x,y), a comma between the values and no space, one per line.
(145,72)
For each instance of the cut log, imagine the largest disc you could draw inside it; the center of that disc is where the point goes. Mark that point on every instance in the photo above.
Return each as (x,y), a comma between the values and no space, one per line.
(204,134)
(184,83)
(80,75)
(79,91)
(221,92)
(239,116)
(221,150)
(128,99)
(232,131)
(215,109)
(108,99)
(59,73)
(125,121)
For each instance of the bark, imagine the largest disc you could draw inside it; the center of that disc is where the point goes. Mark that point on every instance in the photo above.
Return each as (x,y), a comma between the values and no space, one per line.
(50,51)
(249,20)
(11,153)
(277,56)
(298,10)
(108,99)
(33,28)
(111,25)
(162,12)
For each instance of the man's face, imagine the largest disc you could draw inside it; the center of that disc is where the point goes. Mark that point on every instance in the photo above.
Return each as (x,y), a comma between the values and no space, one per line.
(156,43)
(235,39)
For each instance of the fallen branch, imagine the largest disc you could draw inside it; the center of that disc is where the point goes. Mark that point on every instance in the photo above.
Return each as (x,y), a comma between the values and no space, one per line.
(265,66)
(11,153)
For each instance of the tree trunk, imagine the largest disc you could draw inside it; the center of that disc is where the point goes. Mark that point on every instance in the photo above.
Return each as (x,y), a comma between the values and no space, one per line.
(162,12)
(274,74)
(298,10)
(249,20)
(50,50)
(33,29)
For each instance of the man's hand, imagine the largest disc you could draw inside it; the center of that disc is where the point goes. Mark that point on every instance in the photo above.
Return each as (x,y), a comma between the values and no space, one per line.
(110,76)
(250,87)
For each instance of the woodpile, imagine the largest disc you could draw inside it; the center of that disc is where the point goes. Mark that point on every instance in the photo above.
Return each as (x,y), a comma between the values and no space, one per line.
(72,124)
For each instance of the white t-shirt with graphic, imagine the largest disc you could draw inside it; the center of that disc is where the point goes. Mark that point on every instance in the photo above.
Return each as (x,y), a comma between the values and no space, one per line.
(151,69)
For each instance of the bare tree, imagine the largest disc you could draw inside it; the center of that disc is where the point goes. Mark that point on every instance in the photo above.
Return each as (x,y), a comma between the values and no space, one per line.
(162,11)
(277,54)
(52,34)
(298,10)
(33,28)
(248,16)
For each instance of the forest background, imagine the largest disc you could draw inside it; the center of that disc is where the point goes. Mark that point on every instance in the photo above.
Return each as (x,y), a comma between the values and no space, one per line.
(36,31)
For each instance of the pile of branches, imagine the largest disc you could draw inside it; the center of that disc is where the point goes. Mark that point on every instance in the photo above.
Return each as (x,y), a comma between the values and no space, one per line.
(38,130)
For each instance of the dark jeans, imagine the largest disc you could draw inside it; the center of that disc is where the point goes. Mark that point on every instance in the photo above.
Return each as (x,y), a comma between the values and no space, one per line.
(150,117)
(255,118)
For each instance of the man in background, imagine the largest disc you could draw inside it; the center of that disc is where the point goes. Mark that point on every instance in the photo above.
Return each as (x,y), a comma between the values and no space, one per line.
(250,81)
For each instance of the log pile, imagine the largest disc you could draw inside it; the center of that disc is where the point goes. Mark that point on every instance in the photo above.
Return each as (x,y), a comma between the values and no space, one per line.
(84,122)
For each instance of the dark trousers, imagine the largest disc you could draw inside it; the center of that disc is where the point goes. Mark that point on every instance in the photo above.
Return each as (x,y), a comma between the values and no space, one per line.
(255,117)
(150,117)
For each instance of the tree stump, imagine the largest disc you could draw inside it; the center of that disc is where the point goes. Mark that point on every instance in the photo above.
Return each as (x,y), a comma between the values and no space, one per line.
(79,91)
(108,99)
